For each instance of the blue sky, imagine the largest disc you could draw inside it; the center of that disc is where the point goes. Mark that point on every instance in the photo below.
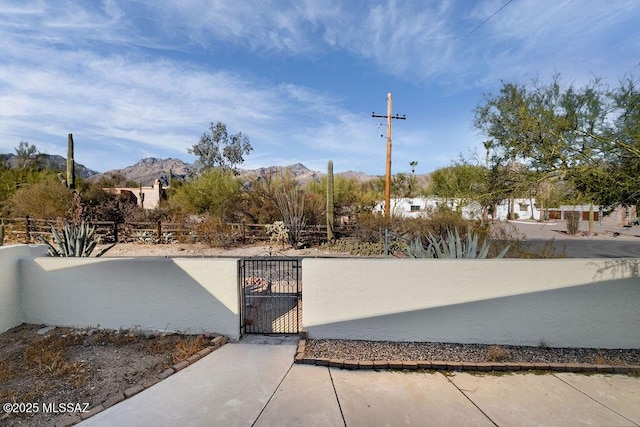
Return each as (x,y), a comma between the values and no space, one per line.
(134,79)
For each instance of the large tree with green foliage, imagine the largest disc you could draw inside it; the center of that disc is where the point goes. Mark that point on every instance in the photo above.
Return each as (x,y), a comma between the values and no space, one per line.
(462,182)
(546,134)
(613,177)
(216,192)
(218,149)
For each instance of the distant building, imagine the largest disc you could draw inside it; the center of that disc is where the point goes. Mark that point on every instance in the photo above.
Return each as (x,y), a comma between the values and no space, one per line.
(415,207)
(621,215)
(145,197)
(523,208)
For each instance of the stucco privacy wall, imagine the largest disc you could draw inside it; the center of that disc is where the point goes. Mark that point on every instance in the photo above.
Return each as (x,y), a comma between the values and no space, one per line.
(191,295)
(562,302)
(10,295)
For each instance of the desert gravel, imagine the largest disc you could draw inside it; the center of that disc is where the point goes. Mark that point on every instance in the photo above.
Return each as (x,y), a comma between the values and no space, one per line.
(384,350)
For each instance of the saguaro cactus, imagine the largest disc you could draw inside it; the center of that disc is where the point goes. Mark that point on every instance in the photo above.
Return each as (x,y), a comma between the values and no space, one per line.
(330,207)
(71,164)
(141,195)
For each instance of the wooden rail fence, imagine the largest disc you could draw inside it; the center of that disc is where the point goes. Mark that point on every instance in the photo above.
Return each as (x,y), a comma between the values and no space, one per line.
(27,230)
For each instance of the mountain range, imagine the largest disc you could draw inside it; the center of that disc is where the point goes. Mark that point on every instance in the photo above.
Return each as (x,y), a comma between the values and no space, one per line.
(148,170)
(50,161)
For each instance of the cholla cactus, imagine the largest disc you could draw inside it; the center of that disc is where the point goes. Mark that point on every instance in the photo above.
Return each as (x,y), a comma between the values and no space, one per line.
(277,232)
(74,241)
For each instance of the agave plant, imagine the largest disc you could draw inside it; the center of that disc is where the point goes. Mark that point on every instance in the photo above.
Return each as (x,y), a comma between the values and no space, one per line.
(451,246)
(74,241)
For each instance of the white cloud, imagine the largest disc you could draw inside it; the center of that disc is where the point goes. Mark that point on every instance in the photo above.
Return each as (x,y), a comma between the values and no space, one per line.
(108,68)
(128,104)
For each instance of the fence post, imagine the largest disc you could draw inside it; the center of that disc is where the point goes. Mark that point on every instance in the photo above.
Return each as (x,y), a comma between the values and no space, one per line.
(386,242)
(159,231)
(244,236)
(28,235)
(115,231)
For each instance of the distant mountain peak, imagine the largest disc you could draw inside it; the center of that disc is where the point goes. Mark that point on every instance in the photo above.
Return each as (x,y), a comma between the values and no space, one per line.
(149,169)
(52,161)
(146,171)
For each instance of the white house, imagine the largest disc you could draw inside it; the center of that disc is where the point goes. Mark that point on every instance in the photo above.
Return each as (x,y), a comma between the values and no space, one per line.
(414,207)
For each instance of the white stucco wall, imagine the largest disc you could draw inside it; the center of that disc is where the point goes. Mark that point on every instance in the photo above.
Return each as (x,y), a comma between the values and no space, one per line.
(563,302)
(191,295)
(10,294)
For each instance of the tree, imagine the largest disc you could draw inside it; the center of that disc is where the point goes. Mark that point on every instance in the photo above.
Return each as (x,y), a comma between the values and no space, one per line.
(463,183)
(488,145)
(553,133)
(27,156)
(347,195)
(216,192)
(412,179)
(613,176)
(218,149)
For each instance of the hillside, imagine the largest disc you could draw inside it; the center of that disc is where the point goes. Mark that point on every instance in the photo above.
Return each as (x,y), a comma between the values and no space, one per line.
(150,169)
(51,161)
(146,171)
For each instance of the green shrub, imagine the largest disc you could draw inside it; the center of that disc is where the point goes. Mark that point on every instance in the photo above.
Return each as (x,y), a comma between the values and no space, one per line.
(573,222)
(353,246)
(215,233)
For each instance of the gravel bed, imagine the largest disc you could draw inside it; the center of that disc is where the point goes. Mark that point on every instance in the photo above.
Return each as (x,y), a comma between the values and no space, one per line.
(408,351)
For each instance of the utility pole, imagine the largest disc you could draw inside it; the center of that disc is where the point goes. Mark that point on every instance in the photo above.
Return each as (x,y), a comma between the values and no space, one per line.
(387,190)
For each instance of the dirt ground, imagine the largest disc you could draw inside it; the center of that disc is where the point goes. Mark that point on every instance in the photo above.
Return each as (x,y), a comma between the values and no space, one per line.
(203,250)
(47,377)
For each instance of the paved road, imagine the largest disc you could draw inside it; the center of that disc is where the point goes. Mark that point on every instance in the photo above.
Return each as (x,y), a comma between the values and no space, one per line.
(254,382)
(607,242)
(589,248)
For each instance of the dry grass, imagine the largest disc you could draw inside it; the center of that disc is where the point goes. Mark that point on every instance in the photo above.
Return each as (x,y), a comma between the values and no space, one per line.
(496,353)
(42,361)
(6,370)
(37,366)
(184,349)
(603,359)
(47,357)
(118,338)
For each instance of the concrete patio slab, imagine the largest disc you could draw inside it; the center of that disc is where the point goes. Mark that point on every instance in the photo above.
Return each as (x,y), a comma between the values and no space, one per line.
(305,398)
(371,398)
(533,400)
(229,387)
(620,393)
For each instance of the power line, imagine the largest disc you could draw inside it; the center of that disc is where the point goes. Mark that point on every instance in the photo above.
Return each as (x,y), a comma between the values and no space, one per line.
(487,20)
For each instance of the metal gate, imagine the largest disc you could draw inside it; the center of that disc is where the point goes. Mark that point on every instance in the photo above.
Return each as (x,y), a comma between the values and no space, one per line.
(271,291)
